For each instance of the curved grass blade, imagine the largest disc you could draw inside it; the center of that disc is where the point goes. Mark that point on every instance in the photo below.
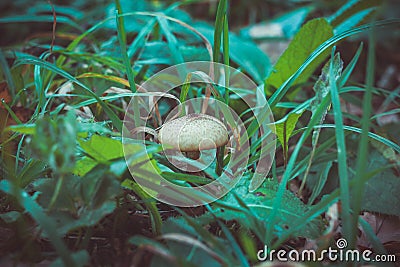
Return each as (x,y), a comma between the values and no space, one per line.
(27,59)
(341,152)
(122,43)
(363,147)
(40,18)
(150,204)
(377,137)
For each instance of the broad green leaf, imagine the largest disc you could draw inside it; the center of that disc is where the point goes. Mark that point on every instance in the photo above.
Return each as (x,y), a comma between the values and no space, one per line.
(84,165)
(284,127)
(382,191)
(260,203)
(102,148)
(309,37)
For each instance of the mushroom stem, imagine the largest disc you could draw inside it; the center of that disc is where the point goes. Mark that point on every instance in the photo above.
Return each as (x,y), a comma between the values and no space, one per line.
(193,155)
(220,160)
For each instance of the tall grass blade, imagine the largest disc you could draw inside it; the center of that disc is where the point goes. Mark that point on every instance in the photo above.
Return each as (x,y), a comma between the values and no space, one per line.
(362,155)
(219,27)
(341,152)
(27,59)
(122,44)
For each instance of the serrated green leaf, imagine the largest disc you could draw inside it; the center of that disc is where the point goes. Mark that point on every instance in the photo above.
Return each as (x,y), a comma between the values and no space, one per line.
(260,202)
(321,87)
(309,37)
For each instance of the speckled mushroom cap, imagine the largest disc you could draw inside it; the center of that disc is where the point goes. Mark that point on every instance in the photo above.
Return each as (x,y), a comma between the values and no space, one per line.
(194,132)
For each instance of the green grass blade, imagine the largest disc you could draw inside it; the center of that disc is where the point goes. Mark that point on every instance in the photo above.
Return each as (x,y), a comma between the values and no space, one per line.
(219,26)
(40,19)
(341,152)
(292,164)
(139,41)
(7,75)
(27,59)
(173,44)
(362,155)
(10,111)
(350,67)
(122,43)
(225,51)
(150,204)
(235,246)
(323,205)
(375,136)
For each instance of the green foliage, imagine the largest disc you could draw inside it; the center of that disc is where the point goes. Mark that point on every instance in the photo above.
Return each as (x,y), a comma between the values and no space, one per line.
(260,204)
(67,196)
(243,52)
(83,201)
(381,191)
(284,129)
(97,149)
(321,89)
(56,137)
(289,23)
(47,223)
(352,13)
(309,37)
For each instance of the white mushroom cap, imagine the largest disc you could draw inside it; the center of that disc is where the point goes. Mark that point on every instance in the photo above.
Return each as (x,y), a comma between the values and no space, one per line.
(194,132)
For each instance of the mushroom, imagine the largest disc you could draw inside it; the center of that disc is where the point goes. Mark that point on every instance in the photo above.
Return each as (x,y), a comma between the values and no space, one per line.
(193,133)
